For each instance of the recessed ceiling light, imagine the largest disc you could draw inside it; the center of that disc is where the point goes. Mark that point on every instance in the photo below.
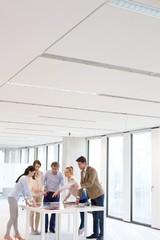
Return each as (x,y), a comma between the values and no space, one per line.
(136,7)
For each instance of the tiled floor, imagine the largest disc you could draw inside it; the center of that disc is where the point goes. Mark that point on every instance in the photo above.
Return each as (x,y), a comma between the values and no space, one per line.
(116,230)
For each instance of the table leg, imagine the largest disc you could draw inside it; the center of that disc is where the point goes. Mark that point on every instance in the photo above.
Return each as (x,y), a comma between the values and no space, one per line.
(69,222)
(75,225)
(58,226)
(104,224)
(27,223)
(42,226)
(85,224)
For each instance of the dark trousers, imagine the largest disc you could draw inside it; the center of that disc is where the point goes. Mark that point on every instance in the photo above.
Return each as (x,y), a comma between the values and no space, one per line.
(47,199)
(98,216)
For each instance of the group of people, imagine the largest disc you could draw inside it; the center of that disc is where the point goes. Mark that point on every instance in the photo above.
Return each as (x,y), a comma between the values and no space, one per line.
(34,186)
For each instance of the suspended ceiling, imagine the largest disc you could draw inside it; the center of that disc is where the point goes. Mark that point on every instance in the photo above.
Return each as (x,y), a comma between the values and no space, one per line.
(78,68)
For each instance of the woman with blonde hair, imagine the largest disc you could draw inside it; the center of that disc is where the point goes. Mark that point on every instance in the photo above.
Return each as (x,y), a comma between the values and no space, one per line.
(72,187)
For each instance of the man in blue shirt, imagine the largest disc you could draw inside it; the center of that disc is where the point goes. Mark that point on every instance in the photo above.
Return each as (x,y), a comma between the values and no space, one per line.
(53,180)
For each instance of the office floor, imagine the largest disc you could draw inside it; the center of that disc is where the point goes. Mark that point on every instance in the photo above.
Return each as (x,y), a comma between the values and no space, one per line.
(116,230)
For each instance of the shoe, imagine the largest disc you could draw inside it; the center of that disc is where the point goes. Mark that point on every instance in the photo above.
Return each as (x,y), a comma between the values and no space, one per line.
(19,237)
(80,231)
(93,236)
(52,230)
(36,233)
(7,237)
(100,237)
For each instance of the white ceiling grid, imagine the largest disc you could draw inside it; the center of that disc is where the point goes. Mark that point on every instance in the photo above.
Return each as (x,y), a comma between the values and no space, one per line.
(80,67)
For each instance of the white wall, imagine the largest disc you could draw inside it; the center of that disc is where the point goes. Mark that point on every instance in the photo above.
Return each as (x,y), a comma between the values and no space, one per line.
(72,149)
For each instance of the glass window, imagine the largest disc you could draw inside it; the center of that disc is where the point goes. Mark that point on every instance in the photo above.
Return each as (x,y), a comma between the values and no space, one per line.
(31,156)
(41,156)
(141,178)
(12,156)
(9,172)
(24,155)
(52,154)
(1,156)
(115,177)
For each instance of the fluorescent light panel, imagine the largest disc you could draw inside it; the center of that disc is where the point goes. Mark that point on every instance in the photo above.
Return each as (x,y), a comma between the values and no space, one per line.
(53,88)
(136,7)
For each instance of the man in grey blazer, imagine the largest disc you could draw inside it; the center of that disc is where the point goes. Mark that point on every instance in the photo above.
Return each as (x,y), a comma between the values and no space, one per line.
(90,181)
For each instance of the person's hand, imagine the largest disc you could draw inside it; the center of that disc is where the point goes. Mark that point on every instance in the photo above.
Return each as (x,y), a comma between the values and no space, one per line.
(74,185)
(32,203)
(26,201)
(55,193)
(77,201)
(45,192)
(65,199)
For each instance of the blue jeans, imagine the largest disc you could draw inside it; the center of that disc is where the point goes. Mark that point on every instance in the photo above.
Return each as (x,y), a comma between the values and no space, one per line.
(82,213)
(98,216)
(48,198)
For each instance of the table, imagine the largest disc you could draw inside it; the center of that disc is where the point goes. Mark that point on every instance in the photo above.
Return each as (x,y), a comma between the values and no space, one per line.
(59,209)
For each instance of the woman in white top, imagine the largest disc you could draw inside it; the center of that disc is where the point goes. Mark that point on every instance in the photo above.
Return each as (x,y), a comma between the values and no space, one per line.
(36,185)
(21,188)
(72,187)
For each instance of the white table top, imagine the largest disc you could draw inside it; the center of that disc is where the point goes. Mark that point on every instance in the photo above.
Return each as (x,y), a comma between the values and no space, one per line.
(58,207)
